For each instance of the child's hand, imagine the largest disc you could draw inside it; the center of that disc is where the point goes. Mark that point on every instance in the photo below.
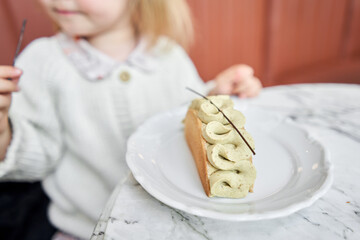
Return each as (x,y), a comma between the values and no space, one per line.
(6,88)
(237,80)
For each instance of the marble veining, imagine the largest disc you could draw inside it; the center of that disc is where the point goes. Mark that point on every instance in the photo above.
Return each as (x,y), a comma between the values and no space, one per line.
(331,113)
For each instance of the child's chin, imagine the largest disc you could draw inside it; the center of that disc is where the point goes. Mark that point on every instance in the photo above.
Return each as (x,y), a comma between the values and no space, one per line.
(75,32)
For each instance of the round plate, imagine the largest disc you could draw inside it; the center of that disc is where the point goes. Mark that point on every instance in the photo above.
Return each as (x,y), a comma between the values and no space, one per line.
(293,170)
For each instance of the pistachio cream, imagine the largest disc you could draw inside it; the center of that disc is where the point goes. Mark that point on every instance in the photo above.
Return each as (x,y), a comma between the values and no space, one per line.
(230,170)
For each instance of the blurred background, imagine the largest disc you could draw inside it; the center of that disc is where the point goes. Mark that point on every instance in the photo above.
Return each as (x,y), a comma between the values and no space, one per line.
(286,41)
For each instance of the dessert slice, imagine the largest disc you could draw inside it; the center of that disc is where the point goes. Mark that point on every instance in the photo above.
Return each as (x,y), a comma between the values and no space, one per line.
(223,159)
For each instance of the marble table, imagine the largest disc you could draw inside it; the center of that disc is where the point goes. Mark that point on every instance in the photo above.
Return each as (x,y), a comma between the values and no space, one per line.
(332,113)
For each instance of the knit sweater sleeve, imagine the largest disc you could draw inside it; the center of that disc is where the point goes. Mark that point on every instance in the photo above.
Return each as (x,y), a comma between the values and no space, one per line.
(36,140)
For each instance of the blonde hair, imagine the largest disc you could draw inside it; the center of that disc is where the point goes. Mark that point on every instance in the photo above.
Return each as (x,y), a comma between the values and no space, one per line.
(155,18)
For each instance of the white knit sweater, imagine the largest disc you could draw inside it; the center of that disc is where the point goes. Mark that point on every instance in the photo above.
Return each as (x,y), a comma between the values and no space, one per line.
(71,132)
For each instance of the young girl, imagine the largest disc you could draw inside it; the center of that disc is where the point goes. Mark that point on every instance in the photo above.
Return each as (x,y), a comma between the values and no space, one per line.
(82,92)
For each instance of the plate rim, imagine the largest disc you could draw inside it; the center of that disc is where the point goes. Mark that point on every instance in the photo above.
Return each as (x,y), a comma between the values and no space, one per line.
(272,214)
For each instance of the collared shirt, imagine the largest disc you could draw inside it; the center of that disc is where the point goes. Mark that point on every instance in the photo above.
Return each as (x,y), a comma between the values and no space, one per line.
(95,65)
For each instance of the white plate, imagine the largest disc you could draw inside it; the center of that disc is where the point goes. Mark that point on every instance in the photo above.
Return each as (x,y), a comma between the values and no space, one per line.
(293,170)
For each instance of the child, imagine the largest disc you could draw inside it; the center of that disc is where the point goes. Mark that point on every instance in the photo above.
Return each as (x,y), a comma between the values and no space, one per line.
(82,92)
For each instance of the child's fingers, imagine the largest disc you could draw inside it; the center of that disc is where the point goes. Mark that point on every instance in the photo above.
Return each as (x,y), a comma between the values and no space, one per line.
(5,101)
(7,86)
(9,72)
(243,85)
(15,80)
(239,73)
(242,73)
(234,79)
(252,92)
(236,73)
(243,92)
(250,88)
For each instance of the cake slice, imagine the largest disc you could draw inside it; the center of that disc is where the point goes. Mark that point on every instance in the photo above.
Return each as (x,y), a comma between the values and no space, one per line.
(223,160)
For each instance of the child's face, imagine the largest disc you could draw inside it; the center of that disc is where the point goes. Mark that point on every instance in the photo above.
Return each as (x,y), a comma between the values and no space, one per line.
(88,17)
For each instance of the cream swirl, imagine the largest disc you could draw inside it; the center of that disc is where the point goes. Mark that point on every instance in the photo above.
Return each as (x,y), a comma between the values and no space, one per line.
(233,183)
(233,173)
(207,112)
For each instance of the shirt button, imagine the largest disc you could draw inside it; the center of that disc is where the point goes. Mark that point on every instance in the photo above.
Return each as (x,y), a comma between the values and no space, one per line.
(124,76)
